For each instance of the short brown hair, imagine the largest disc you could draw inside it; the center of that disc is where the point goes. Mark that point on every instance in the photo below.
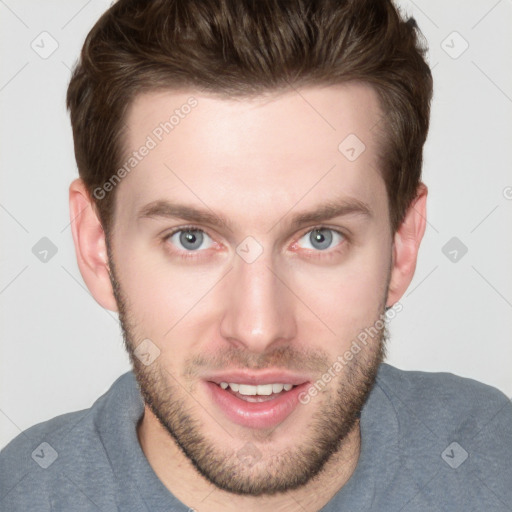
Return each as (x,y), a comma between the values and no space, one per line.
(249,47)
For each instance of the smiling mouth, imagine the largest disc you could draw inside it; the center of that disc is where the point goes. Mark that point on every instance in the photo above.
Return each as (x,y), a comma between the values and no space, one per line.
(253,403)
(256,393)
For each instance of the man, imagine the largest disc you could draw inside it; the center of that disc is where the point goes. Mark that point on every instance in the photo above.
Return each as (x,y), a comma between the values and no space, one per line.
(250,202)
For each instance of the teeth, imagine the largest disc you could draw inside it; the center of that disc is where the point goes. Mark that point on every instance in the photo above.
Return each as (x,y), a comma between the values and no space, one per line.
(246,389)
(264,389)
(277,388)
(260,389)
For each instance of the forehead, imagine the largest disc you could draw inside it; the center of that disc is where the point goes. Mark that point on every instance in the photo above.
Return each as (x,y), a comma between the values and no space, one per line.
(244,155)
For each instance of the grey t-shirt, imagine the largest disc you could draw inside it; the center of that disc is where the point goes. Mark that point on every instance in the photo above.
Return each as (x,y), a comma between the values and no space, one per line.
(430,442)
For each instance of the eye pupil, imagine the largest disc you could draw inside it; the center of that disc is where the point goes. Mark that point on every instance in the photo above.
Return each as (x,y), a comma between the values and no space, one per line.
(191,239)
(321,238)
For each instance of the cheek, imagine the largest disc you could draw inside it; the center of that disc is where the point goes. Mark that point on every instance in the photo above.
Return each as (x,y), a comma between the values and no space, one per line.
(173,302)
(161,294)
(348,297)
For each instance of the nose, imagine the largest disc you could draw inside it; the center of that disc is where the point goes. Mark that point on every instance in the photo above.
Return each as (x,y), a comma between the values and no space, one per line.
(259,309)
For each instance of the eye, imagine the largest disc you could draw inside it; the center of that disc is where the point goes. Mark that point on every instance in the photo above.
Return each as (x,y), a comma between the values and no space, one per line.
(190,239)
(320,239)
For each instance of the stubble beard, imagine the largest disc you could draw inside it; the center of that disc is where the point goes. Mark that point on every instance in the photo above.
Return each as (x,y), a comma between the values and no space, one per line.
(328,428)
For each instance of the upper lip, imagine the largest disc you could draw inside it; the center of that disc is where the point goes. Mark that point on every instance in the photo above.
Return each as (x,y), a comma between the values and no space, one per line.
(252,378)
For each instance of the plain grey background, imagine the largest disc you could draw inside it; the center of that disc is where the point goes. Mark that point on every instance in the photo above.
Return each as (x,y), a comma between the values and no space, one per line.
(60,350)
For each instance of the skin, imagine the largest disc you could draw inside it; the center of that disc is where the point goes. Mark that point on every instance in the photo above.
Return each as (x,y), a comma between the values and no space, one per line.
(256,162)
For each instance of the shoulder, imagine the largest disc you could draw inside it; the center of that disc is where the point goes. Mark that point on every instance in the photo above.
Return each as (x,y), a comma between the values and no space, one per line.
(443,395)
(36,462)
(454,438)
(26,462)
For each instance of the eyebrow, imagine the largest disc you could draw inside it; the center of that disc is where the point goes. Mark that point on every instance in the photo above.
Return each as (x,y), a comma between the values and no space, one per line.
(326,211)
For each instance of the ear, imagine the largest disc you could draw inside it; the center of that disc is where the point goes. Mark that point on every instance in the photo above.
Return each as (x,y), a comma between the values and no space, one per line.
(90,245)
(406,244)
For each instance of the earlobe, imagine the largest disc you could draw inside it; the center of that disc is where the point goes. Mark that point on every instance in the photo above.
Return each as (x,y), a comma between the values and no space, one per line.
(406,245)
(90,245)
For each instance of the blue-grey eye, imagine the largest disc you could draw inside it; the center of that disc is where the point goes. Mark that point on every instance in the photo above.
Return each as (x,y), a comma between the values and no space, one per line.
(320,239)
(191,239)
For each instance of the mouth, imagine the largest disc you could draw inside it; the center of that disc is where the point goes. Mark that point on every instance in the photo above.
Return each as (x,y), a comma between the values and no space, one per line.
(256,393)
(256,401)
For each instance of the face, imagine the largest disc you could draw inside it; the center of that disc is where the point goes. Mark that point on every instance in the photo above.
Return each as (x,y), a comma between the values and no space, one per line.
(250,249)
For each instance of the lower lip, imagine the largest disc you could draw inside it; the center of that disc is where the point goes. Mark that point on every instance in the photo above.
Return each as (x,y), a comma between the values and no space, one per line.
(262,415)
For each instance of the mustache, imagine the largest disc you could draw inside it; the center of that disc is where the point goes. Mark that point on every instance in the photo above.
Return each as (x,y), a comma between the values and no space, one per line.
(282,357)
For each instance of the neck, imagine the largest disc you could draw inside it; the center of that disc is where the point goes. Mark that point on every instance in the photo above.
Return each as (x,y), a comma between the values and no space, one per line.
(180,477)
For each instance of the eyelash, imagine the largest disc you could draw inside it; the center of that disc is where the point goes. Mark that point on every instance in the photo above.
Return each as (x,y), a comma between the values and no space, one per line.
(328,253)
(187,255)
